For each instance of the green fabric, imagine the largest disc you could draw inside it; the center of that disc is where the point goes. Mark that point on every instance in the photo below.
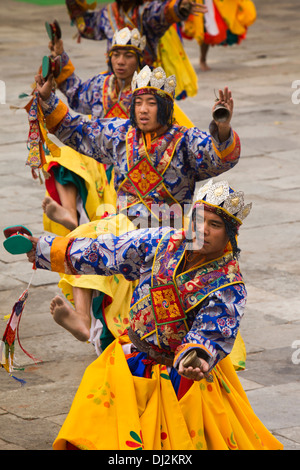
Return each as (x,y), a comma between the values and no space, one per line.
(65,176)
(231,39)
(109,172)
(106,337)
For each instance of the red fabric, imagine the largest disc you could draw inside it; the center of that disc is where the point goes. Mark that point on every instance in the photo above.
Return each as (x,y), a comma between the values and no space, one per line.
(70,446)
(212,40)
(149,363)
(50,183)
(184,387)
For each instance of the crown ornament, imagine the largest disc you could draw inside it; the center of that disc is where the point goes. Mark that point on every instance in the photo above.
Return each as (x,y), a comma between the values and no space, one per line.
(154,79)
(126,37)
(225,199)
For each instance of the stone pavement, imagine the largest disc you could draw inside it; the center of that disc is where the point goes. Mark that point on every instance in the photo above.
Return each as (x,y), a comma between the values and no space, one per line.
(260,73)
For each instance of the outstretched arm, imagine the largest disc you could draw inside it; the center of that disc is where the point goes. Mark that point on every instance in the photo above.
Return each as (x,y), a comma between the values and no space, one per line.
(84,97)
(211,154)
(157,16)
(192,8)
(97,138)
(105,255)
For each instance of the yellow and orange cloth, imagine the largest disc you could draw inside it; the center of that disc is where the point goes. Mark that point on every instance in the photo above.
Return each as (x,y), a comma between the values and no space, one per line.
(172,57)
(114,409)
(226,22)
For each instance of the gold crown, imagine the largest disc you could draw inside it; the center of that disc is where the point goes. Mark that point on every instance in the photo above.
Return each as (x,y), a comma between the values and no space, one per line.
(127,37)
(155,79)
(222,196)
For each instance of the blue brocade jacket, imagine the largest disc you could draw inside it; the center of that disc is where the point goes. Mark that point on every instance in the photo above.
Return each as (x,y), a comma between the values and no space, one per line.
(172,309)
(167,172)
(152,19)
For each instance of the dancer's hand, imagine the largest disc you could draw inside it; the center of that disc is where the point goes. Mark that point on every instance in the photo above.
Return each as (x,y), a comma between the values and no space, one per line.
(193,8)
(44,87)
(57,48)
(31,254)
(225,99)
(197,373)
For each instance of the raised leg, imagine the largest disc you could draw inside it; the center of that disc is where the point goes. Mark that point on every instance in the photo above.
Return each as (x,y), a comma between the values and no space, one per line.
(75,320)
(66,213)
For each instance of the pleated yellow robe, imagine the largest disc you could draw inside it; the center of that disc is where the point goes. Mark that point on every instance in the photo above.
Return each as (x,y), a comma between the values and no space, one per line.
(115,410)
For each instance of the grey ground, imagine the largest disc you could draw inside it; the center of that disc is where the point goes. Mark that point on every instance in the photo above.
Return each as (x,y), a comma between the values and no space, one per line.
(260,72)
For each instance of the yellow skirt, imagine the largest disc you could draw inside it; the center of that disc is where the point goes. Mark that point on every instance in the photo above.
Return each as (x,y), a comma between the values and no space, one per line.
(172,57)
(238,14)
(113,409)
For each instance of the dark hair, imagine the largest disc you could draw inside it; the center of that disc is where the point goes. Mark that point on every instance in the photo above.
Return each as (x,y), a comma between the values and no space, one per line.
(232,231)
(164,111)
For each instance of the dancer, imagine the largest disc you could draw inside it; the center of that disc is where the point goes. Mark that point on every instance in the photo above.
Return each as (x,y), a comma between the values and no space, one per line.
(167,383)
(152,19)
(79,189)
(157,20)
(151,144)
(225,23)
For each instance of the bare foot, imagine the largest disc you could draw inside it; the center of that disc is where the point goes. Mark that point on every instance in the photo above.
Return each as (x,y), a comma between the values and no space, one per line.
(204,67)
(59,214)
(69,319)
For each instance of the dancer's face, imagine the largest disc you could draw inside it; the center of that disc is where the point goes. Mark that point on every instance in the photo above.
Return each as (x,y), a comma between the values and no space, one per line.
(210,229)
(124,63)
(146,113)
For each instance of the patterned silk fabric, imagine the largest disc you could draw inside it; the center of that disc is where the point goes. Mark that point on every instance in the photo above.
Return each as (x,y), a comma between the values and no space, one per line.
(212,296)
(152,19)
(197,156)
(95,96)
